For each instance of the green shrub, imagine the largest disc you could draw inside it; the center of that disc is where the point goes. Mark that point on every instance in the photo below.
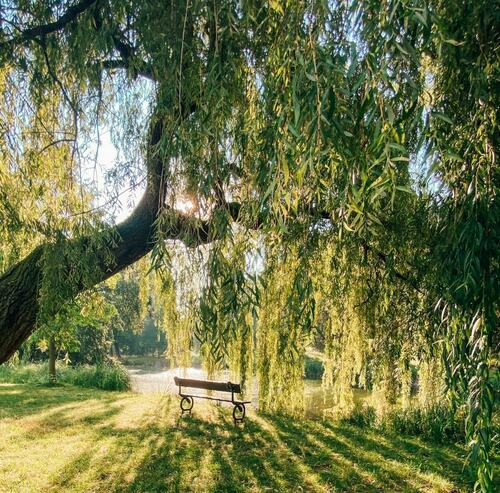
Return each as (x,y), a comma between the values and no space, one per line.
(105,376)
(313,368)
(364,416)
(437,423)
(110,376)
(24,373)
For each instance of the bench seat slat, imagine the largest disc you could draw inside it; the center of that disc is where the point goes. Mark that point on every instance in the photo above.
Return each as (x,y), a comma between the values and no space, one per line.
(208,385)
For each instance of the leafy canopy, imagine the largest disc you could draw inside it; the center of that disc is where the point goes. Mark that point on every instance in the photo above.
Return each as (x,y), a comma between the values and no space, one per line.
(354,143)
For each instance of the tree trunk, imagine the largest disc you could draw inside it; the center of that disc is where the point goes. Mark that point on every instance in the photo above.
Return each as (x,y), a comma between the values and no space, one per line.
(20,285)
(52,361)
(116,349)
(127,242)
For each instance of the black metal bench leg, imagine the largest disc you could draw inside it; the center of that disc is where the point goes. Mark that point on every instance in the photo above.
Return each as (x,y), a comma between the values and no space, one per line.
(239,413)
(187,403)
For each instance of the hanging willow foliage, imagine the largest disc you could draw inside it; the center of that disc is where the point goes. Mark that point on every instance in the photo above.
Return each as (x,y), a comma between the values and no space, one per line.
(285,321)
(358,138)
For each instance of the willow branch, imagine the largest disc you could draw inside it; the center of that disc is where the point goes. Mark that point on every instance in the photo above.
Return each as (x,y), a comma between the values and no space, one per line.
(117,64)
(45,29)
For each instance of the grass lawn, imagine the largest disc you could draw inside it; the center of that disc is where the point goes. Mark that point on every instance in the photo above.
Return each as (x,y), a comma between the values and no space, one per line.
(72,439)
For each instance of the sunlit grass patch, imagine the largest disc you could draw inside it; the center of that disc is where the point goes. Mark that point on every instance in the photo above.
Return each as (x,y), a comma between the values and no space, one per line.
(71,439)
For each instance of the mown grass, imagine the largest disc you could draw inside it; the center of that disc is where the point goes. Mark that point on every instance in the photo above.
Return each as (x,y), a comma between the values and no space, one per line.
(72,439)
(105,376)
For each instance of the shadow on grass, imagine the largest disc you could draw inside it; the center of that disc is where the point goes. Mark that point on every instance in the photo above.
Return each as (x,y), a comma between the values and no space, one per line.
(16,401)
(163,452)
(216,453)
(387,462)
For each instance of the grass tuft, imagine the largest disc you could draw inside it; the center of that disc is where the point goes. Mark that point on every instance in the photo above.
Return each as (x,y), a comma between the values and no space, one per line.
(437,423)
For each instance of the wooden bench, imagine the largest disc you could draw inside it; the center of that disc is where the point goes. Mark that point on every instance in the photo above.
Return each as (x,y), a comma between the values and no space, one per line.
(234,388)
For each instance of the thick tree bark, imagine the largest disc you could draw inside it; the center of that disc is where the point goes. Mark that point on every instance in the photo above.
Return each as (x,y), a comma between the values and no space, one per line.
(19,303)
(20,285)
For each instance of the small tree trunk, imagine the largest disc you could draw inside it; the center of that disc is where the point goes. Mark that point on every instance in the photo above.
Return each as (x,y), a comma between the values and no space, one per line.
(52,361)
(117,349)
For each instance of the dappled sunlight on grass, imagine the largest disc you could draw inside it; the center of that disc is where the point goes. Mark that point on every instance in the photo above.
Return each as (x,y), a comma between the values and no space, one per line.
(360,457)
(72,439)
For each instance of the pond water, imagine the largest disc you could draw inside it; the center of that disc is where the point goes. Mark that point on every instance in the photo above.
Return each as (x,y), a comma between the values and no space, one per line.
(146,380)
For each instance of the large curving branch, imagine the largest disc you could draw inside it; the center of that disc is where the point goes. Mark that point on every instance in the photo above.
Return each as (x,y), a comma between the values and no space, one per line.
(128,59)
(125,243)
(45,29)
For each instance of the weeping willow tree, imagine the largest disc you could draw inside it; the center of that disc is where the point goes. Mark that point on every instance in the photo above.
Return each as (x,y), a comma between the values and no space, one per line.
(315,128)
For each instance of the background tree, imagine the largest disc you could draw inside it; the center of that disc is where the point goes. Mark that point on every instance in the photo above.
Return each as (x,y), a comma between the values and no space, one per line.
(79,331)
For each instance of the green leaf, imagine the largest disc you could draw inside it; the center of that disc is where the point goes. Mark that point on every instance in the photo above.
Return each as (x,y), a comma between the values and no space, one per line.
(442,116)
(405,188)
(454,42)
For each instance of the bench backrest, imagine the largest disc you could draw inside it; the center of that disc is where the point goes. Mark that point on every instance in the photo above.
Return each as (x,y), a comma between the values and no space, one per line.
(208,385)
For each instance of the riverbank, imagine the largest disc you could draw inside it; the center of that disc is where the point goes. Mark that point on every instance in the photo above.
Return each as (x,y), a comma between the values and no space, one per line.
(147,379)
